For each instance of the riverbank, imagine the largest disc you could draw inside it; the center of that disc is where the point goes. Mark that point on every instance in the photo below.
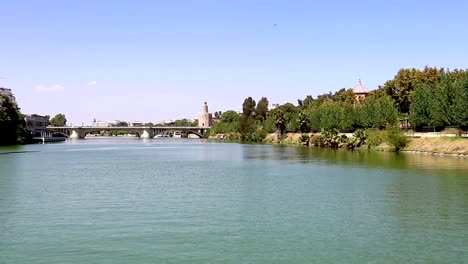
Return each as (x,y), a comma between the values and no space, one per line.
(447,146)
(425,144)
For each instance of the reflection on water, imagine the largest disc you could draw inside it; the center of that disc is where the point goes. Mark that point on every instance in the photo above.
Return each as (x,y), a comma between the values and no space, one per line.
(370,159)
(124,200)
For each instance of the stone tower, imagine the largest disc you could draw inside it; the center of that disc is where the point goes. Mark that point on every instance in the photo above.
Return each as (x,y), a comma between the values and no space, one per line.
(205,119)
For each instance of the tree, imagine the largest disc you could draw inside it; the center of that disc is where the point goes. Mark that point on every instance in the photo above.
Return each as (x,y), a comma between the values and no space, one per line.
(402,86)
(12,125)
(280,122)
(262,107)
(346,96)
(461,99)
(421,105)
(230,116)
(377,113)
(308,101)
(217,114)
(228,123)
(248,107)
(58,120)
(304,121)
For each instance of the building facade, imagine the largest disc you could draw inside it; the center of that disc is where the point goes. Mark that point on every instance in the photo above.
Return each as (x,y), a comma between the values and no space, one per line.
(205,119)
(36,124)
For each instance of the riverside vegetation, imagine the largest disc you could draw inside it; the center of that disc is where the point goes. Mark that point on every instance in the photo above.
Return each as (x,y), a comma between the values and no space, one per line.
(428,97)
(12,123)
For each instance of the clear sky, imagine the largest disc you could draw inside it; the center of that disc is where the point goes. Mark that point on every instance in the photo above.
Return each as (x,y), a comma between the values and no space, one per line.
(159,60)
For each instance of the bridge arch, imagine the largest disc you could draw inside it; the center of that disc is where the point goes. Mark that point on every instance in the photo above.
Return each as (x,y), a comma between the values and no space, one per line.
(200,135)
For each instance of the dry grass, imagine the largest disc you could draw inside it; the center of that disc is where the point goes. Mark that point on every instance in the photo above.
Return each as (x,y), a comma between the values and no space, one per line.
(288,138)
(439,145)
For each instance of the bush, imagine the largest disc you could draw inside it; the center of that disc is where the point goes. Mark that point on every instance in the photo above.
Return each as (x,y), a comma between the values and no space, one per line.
(374,137)
(331,139)
(304,139)
(396,138)
(358,139)
(255,136)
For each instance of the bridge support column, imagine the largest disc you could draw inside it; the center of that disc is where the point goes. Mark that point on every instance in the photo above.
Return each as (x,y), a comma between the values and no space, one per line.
(147,133)
(77,133)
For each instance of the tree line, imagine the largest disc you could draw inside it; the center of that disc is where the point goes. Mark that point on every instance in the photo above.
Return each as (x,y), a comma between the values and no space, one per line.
(428,97)
(13,125)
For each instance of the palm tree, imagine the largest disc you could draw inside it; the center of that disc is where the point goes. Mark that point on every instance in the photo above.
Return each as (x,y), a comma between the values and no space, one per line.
(280,122)
(304,121)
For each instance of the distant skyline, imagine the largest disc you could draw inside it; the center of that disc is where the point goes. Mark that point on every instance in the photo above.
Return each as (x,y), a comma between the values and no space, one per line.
(160,60)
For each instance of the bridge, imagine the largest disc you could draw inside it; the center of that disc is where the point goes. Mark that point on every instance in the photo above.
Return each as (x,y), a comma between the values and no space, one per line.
(78,132)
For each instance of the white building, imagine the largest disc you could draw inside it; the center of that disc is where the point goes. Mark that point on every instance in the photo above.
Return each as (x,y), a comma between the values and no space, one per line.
(136,124)
(36,124)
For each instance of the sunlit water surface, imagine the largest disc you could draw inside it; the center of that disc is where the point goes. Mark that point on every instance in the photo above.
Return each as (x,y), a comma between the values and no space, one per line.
(125,200)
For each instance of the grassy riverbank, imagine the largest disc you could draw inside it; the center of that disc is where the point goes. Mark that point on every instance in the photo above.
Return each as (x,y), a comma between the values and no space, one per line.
(428,145)
(439,145)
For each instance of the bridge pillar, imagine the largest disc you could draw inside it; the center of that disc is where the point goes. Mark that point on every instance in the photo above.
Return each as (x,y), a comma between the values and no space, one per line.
(77,133)
(147,133)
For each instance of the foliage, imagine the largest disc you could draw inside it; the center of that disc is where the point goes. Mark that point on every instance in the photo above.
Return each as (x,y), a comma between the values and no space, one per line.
(304,139)
(421,107)
(443,103)
(374,137)
(331,139)
(401,87)
(12,125)
(376,113)
(230,116)
(248,107)
(434,96)
(304,121)
(280,122)
(58,120)
(183,122)
(228,123)
(255,136)
(262,108)
(396,138)
(217,114)
(358,139)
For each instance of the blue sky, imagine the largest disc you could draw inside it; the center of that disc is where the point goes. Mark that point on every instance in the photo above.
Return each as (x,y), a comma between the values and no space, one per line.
(159,60)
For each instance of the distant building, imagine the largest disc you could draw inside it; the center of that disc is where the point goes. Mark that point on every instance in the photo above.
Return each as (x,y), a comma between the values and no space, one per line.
(205,119)
(7,92)
(100,124)
(360,93)
(136,124)
(36,124)
(117,123)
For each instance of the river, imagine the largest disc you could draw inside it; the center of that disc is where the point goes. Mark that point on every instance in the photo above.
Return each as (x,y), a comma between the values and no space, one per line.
(125,200)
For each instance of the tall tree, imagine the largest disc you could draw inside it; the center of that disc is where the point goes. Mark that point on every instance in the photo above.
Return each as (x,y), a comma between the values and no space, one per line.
(262,107)
(248,107)
(421,105)
(58,120)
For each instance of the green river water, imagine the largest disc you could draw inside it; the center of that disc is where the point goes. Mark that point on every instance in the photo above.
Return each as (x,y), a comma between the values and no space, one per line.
(125,200)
